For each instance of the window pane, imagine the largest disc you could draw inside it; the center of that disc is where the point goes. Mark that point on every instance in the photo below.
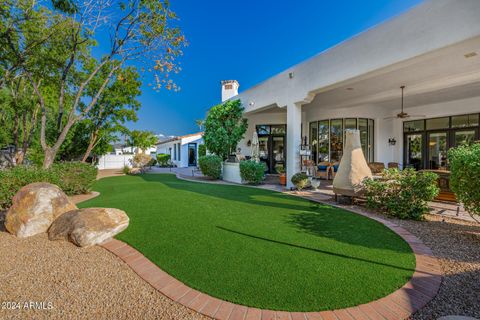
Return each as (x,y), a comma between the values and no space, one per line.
(438,123)
(350,124)
(323,140)
(363,127)
(464,137)
(411,126)
(470,120)
(314,139)
(414,150)
(437,150)
(263,129)
(336,139)
(280,129)
(371,134)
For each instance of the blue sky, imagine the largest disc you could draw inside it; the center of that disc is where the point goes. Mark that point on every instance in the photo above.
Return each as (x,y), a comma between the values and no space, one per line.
(250,41)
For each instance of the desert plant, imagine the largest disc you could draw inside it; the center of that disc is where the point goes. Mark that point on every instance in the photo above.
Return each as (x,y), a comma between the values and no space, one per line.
(75,177)
(163,159)
(211,166)
(280,169)
(71,177)
(141,160)
(202,150)
(464,178)
(300,180)
(403,194)
(252,172)
(224,128)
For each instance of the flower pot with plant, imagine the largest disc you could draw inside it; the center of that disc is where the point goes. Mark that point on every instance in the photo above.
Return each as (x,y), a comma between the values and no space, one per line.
(281,173)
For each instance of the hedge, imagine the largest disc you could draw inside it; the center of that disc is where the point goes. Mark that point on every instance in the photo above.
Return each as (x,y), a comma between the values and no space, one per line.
(211,166)
(72,177)
(252,172)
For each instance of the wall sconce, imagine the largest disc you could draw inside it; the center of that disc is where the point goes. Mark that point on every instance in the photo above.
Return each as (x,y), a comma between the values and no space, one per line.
(249,143)
(392,141)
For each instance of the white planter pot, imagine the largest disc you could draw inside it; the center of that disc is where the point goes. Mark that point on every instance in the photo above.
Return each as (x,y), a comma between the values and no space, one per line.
(231,172)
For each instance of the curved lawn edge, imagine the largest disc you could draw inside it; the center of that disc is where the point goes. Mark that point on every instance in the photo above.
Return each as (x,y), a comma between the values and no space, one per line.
(412,296)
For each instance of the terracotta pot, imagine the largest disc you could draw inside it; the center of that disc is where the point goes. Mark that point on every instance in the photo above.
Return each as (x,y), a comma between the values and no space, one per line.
(283,179)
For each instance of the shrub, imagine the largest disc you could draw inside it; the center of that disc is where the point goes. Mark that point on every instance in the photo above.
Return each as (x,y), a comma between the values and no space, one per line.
(75,177)
(71,177)
(464,178)
(141,160)
(403,194)
(280,169)
(152,162)
(300,180)
(211,166)
(163,159)
(202,150)
(252,172)
(224,128)
(126,169)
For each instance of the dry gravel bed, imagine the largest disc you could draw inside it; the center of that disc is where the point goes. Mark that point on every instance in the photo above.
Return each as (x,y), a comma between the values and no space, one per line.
(457,245)
(87,283)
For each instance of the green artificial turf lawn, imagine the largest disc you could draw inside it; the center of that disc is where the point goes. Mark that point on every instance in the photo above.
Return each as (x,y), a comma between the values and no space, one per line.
(256,247)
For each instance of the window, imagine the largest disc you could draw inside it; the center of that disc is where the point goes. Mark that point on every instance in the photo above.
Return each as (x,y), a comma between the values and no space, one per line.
(228,87)
(330,138)
(336,139)
(175,152)
(427,141)
(323,141)
(263,129)
(438,123)
(179,151)
(412,126)
(469,120)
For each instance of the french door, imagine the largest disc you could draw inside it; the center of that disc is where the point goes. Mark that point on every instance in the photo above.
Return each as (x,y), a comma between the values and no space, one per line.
(272,151)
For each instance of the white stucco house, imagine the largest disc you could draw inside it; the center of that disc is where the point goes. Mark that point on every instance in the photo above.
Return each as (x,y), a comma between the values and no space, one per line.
(433,50)
(183,150)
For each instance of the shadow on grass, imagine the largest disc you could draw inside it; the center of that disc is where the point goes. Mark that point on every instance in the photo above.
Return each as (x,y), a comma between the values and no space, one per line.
(315,250)
(305,216)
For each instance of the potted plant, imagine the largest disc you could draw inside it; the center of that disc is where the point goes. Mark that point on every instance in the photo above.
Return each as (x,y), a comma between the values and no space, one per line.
(282,176)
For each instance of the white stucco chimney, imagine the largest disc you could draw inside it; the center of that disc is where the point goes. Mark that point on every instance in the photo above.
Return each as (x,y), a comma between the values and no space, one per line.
(229,89)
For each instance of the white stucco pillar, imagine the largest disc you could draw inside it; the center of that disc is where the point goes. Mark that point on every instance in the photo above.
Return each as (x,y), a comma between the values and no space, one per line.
(294,139)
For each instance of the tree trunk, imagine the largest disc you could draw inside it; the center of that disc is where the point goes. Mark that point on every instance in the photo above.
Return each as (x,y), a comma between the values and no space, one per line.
(50,154)
(91,144)
(19,157)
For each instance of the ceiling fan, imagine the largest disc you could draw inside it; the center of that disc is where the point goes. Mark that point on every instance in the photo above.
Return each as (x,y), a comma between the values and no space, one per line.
(403,114)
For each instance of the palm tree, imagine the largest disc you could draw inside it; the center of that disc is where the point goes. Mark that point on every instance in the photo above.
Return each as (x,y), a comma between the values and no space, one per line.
(199,123)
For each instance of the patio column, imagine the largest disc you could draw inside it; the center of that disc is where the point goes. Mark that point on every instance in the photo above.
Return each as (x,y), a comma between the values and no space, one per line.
(294,139)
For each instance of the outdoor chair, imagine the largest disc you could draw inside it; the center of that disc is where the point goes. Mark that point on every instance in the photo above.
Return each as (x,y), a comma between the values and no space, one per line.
(323,170)
(376,167)
(393,165)
(334,169)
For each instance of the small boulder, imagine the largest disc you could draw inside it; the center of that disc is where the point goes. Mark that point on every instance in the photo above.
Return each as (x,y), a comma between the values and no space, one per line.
(90,226)
(34,208)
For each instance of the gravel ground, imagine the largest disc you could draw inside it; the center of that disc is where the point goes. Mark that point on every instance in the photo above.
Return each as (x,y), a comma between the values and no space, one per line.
(86,283)
(457,245)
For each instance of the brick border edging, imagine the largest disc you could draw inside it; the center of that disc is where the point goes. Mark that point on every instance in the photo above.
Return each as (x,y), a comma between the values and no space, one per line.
(412,296)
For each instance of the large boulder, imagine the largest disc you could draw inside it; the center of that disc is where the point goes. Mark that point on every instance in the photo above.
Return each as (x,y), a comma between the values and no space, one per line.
(90,226)
(353,168)
(34,208)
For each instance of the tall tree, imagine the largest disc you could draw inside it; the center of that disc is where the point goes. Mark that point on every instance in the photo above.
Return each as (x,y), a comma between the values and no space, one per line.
(142,139)
(199,123)
(142,32)
(224,128)
(117,105)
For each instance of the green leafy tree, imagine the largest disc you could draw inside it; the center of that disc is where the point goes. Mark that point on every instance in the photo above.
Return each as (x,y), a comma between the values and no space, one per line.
(55,46)
(142,139)
(224,128)
(464,179)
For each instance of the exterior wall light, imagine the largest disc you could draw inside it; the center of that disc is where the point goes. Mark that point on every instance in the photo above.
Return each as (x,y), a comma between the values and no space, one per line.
(392,141)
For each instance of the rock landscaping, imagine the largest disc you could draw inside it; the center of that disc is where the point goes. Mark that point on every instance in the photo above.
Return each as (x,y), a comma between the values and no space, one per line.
(35,207)
(88,227)
(41,207)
